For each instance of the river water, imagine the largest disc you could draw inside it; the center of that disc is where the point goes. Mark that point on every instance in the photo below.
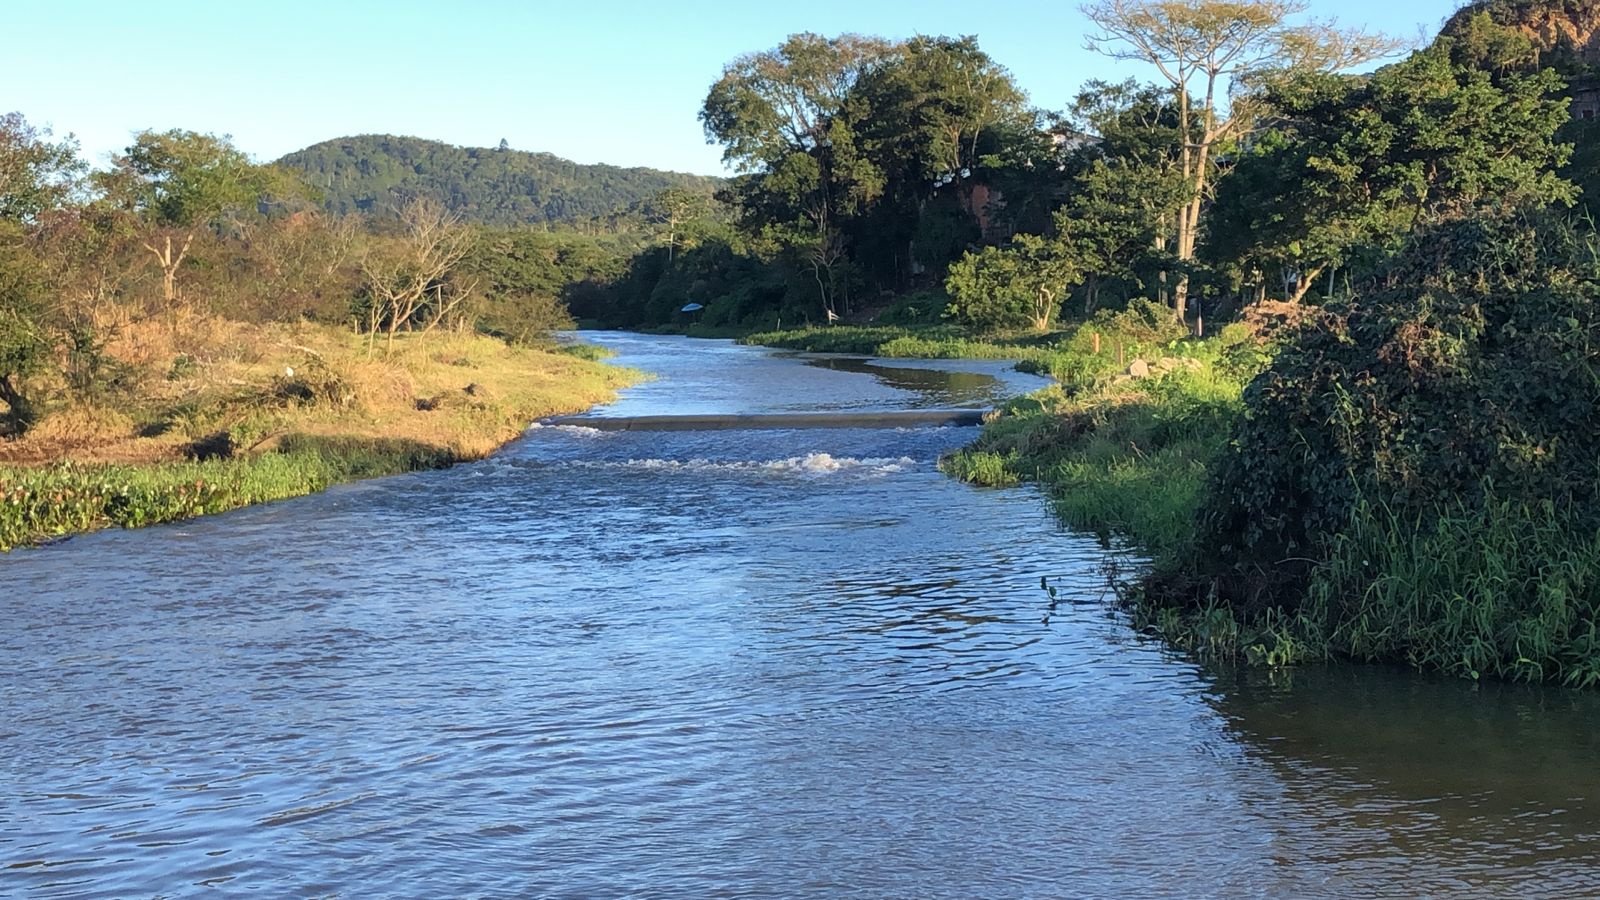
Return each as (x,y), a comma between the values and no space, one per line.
(721,664)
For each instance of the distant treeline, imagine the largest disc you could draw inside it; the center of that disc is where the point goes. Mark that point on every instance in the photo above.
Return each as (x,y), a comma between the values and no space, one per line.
(375,174)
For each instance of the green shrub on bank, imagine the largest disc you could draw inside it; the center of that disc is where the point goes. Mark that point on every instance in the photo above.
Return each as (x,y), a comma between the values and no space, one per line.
(1125,456)
(40,503)
(1415,477)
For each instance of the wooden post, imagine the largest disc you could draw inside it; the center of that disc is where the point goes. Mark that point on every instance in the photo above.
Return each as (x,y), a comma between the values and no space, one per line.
(1095,335)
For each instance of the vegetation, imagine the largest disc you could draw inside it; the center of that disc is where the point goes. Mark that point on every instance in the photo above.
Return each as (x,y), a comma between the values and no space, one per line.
(1394,465)
(378,174)
(185,332)
(67,498)
(1388,453)
(1121,453)
(1385,451)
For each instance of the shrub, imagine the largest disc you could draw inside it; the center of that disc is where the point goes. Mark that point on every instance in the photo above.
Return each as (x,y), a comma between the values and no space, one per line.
(1472,367)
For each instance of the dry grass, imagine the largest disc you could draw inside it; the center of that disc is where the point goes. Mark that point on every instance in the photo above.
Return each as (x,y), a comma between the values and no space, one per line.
(181,379)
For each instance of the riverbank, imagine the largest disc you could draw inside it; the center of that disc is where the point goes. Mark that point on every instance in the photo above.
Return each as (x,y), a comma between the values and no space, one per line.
(217,414)
(1122,442)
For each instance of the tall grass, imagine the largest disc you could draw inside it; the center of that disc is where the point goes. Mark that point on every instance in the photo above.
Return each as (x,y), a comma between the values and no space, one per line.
(1510,589)
(65,498)
(908,342)
(1125,457)
(292,408)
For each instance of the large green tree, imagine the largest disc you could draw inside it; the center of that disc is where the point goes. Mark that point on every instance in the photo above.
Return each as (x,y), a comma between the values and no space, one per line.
(37,174)
(1354,164)
(177,183)
(1205,50)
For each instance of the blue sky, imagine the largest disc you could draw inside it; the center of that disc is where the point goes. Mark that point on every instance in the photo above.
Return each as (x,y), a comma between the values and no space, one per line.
(595,81)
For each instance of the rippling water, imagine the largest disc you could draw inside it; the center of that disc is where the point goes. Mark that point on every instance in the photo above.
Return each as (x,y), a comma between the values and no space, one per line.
(720,664)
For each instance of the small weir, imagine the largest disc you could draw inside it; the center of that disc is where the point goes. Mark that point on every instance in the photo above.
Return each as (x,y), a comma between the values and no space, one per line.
(915,418)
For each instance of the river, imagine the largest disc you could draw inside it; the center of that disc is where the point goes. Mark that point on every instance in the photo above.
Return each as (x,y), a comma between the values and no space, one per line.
(722,664)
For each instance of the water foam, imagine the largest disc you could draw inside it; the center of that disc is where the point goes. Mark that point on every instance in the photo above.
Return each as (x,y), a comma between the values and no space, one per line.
(810,465)
(576,430)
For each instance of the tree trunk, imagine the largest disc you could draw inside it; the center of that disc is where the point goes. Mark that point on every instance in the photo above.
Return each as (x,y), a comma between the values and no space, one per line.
(170,264)
(1303,286)
(21,413)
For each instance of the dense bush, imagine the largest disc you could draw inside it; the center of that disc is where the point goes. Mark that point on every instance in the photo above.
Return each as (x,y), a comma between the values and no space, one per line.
(1471,363)
(1414,476)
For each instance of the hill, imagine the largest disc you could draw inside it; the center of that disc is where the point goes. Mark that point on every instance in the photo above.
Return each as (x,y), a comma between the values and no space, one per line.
(370,173)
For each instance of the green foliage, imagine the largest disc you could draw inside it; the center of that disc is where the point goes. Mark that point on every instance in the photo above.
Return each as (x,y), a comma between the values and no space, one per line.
(867,162)
(1509,588)
(1355,164)
(36,174)
(898,342)
(184,178)
(38,503)
(26,344)
(524,278)
(1475,363)
(1119,456)
(1413,477)
(376,173)
(996,289)
(590,352)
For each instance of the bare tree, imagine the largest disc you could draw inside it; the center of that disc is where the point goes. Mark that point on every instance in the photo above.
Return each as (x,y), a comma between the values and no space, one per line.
(408,275)
(822,256)
(1207,49)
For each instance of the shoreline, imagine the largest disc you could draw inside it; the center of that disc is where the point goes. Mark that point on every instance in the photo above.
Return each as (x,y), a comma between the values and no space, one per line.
(313,449)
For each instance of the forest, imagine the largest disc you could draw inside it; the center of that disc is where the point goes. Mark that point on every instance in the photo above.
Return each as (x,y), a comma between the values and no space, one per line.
(501,187)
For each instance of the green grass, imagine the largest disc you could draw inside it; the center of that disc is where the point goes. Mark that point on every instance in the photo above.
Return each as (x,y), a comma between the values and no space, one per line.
(589,352)
(1511,589)
(40,503)
(908,342)
(1126,458)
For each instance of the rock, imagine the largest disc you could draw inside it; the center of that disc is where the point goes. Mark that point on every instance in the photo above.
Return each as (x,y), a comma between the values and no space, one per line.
(1139,369)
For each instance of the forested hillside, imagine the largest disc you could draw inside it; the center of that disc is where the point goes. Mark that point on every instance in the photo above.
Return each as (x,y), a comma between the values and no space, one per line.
(377,172)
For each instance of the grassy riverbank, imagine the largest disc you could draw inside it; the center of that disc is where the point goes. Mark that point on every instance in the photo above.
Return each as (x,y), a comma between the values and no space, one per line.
(908,342)
(1120,454)
(243,414)
(1395,482)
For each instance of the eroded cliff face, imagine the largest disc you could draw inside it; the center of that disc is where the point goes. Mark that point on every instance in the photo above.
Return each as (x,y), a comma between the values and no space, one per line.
(1552,25)
(1561,34)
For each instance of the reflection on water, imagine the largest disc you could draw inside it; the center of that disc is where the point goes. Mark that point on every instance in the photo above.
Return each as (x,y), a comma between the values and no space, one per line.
(1492,785)
(936,387)
(765,663)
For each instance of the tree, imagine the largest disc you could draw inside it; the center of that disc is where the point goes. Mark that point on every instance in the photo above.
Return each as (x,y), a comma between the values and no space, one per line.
(1127,187)
(408,276)
(1012,287)
(1352,165)
(778,116)
(36,174)
(771,104)
(178,182)
(25,345)
(671,209)
(929,120)
(1118,217)
(1205,48)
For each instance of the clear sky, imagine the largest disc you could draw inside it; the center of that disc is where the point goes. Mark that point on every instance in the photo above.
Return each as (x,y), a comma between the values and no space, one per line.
(590,80)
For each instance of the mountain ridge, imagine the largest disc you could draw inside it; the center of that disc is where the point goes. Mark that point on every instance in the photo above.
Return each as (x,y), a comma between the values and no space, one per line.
(372,173)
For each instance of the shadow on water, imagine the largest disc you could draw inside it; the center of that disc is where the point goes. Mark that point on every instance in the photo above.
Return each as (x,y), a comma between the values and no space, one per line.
(1440,781)
(938,387)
